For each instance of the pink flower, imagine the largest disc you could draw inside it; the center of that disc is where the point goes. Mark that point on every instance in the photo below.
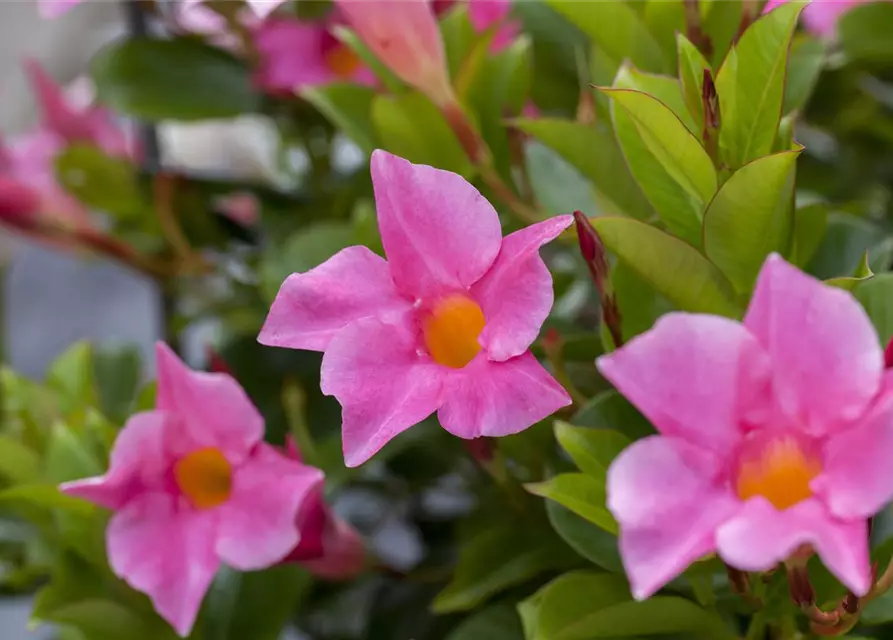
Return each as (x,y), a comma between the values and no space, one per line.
(192,485)
(821,16)
(443,325)
(295,55)
(404,35)
(487,14)
(774,433)
(55,8)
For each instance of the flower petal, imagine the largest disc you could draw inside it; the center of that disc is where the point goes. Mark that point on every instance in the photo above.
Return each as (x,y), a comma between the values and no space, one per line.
(213,409)
(440,234)
(826,357)
(138,463)
(383,384)
(499,398)
(290,53)
(165,550)
(344,554)
(311,307)
(660,490)
(483,14)
(258,524)
(759,537)
(693,376)
(516,293)
(856,481)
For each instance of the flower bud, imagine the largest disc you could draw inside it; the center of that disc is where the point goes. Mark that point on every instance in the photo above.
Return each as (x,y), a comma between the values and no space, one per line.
(19,205)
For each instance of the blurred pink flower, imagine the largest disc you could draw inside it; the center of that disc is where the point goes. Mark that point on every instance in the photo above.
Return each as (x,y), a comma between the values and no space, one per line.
(405,36)
(54,8)
(774,433)
(821,16)
(295,55)
(263,8)
(241,207)
(444,324)
(193,485)
(487,14)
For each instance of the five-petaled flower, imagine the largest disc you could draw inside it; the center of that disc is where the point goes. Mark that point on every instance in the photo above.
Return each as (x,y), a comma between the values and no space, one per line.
(443,325)
(193,485)
(775,433)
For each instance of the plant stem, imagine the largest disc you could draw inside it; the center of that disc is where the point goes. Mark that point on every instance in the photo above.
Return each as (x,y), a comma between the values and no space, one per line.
(757,628)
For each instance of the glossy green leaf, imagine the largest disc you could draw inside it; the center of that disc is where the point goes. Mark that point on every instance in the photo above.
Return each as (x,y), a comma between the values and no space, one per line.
(459,39)
(557,184)
(810,224)
(640,305)
(594,152)
(665,89)
(674,268)
(610,410)
(844,243)
(581,493)
(876,295)
(590,541)
(18,463)
(529,611)
(71,376)
(117,371)
(750,85)
(617,29)
(101,182)
(668,162)
(179,79)
(751,217)
(348,107)
(805,63)
(691,75)
(499,622)
(561,604)
(664,20)
(849,283)
(864,32)
(592,450)
(411,127)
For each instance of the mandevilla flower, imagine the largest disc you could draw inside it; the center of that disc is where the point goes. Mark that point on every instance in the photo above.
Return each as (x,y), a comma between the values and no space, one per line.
(775,434)
(295,54)
(821,16)
(405,35)
(192,485)
(443,325)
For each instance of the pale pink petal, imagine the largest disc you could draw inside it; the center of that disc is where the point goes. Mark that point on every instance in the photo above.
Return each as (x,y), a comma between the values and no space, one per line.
(499,398)
(383,384)
(258,523)
(693,376)
(213,409)
(856,479)
(291,55)
(483,14)
(139,462)
(661,492)
(440,234)
(54,8)
(826,358)
(312,307)
(516,293)
(165,549)
(759,537)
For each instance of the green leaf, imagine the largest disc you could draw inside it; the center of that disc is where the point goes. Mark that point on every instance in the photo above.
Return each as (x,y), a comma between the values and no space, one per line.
(640,305)
(669,163)
(180,79)
(876,295)
(459,39)
(348,107)
(18,463)
(750,85)
(581,493)
(864,32)
(751,217)
(145,399)
(255,605)
(411,127)
(499,622)
(610,410)
(529,610)
(566,601)
(101,182)
(593,150)
(592,450)
(664,20)
(665,89)
(45,496)
(805,63)
(845,242)
(590,541)
(721,20)
(100,619)
(675,269)
(494,560)
(557,183)
(306,248)
(810,224)
(71,376)
(617,29)
(117,374)
(849,283)
(691,74)
(67,457)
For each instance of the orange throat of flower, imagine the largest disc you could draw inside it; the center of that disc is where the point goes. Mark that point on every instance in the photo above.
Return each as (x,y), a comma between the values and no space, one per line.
(205,477)
(780,471)
(451,331)
(341,61)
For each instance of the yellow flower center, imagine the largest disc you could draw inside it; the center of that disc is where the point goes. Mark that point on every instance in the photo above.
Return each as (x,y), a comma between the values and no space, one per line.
(205,477)
(451,331)
(342,61)
(780,471)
